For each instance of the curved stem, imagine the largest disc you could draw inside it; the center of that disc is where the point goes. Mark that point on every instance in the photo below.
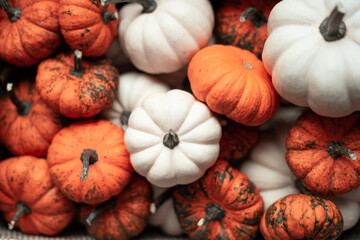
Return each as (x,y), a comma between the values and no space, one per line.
(102,207)
(21,209)
(336,150)
(213,212)
(171,139)
(13,13)
(22,107)
(78,70)
(107,17)
(88,157)
(333,27)
(163,197)
(148,5)
(259,19)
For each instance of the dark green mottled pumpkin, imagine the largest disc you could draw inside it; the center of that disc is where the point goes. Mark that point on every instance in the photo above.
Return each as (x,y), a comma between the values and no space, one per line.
(223,204)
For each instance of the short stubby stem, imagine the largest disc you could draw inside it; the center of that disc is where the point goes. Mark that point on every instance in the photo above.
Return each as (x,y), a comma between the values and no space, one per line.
(336,150)
(22,107)
(102,207)
(248,65)
(161,199)
(171,139)
(21,209)
(13,13)
(108,17)
(124,117)
(213,212)
(88,157)
(78,70)
(333,27)
(256,17)
(148,5)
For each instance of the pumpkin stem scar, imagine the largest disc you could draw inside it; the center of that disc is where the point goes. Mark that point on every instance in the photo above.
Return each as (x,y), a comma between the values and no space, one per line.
(22,107)
(107,17)
(88,157)
(78,70)
(102,207)
(256,17)
(21,209)
(213,212)
(124,118)
(13,13)
(163,197)
(333,27)
(336,150)
(171,139)
(248,65)
(148,5)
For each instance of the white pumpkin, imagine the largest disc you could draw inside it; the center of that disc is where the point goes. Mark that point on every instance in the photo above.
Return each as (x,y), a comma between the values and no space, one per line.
(133,88)
(172,138)
(311,66)
(165,38)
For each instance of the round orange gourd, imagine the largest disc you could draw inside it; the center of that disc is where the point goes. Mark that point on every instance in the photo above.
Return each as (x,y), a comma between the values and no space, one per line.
(89,161)
(233,82)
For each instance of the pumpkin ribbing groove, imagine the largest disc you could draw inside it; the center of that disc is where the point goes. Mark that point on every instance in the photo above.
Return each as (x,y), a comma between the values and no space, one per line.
(33,23)
(142,44)
(39,220)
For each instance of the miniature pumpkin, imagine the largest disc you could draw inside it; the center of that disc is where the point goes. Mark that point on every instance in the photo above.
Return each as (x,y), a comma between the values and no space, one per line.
(223,204)
(133,88)
(323,152)
(312,53)
(28,198)
(89,162)
(172,138)
(299,216)
(88,26)
(77,88)
(233,82)
(161,36)
(243,23)
(29,30)
(27,124)
(121,217)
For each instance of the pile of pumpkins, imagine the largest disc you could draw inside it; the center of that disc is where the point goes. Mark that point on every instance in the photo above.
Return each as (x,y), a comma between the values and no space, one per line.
(225,119)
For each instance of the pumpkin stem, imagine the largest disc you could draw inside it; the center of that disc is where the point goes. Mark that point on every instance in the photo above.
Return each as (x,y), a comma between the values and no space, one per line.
(107,17)
(171,139)
(213,212)
(102,207)
(148,5)
(333,27)
(336,150)
(163,197)
(13,13)
(22,107)
(21,209)
(78,70)
(88,157)
(302,188)
(256,17)
(124,118)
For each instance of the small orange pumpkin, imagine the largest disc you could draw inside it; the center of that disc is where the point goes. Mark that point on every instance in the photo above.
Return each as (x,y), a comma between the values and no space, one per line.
(324,153)
(233,82)
(28,198)
(89,161)
(299,216)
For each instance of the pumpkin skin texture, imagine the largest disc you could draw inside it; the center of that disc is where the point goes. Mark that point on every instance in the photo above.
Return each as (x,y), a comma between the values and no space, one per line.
(300,59)
(28,131)
(172,138)
(310,158)
(299,216)
(85,27)
(34,36)
(73,95)
(127,217)
(249,35)
(233,82)
(26,180)
(109,171)
(235,199)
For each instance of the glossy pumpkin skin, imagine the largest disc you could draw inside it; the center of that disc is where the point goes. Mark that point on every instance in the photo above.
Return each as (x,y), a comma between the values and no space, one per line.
(84,27)
(310,160)
(26,179)
(34,36)
(107,176)
(74,96)
(31,133)
(249,35)
(299,216)
(224,188)
(127,218)
(233,82)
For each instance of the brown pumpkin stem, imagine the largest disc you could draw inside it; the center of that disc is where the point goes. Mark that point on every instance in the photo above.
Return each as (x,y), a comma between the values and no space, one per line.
(336,150)
(163,197)
(78,70)
(88,157)
(124,118)
(21,209)
(107,17)
(13,13)
(256,17)
(102,207)
(171,139)
(22,107)
(213,212)
(148,5)
(333,27)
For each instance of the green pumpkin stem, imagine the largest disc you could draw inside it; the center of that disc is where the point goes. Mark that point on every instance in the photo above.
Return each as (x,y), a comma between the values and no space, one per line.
(21,209)
(148,5)
(107,17)
(163,197)
(256,16)
(336,150)
(102,207)
(213,212)
(171,139)
(88,157)
(78,69)
(22,107)
(333,27)
(13,13)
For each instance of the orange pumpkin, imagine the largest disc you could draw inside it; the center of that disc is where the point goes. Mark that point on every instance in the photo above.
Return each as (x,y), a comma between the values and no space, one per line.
(244,23)
(89,161)
(121,217)
(233,82)
(77,88)
(88,26)
(299,216)
(27,124)
(28,198)
(29,30)
(324,153)
(223,204)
